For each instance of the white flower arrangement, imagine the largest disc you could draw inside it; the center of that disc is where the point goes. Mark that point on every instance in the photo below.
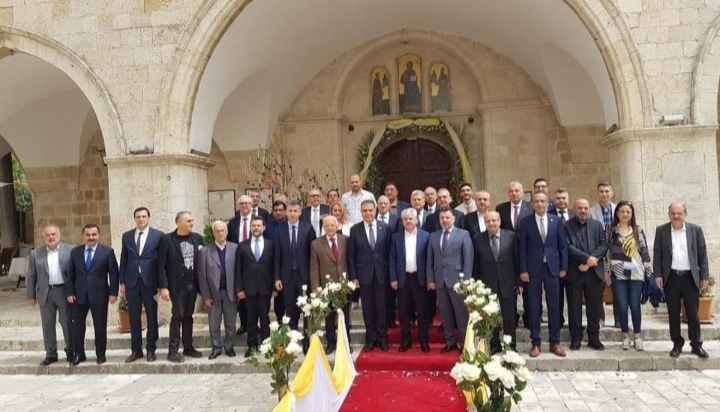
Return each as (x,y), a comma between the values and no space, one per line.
(482,304)
(278,353)
(314,308)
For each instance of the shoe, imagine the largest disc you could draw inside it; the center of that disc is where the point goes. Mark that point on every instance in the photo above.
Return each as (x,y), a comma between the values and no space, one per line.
(597,345)
(78,360)
(558,350)
(676,351)
(625,344)
(351,349)
(230,352)
(574,345)
(384,347)
(449,348)
(134,356)
(192,352)
(249,351)
(425,347)
(330,348)
(700,352)
(100,360)
(368,347)
(214,354)
(534,352)
(639,344)
(48,360)
(404,347)
(175,357)
(151,356)
(241,331)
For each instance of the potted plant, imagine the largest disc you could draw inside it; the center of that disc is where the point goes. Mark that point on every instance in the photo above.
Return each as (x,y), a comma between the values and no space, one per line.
(705,306)
(124,316)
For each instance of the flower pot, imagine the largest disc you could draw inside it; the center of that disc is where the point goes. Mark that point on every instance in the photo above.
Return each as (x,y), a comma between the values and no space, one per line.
(704,310)
(124,320)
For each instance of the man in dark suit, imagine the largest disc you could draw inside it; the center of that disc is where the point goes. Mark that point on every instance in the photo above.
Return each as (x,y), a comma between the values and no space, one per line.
(408,254)
(475,221)
(254,282)
(239,231)
(92,283)
(177,265)
(496,265)
(561,210)
(393,221)
(47,275)
(311,214)
(395,205)
(680,263)
(216,279)
(432,223)
(430,200)
(587,247)
(328,256)
(417,200)
(292,261)
(368,249)
(139,282)
(450,253)
(543,261)
(256,210)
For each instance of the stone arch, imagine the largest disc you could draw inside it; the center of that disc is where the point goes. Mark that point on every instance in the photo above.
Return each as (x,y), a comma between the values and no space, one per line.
(14,39)
(205,30)
(706,75)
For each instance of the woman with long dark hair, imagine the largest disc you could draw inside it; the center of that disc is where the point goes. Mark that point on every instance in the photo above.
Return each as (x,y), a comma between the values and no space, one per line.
(629,264)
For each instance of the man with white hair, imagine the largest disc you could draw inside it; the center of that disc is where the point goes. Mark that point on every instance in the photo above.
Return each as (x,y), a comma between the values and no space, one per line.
(216,278)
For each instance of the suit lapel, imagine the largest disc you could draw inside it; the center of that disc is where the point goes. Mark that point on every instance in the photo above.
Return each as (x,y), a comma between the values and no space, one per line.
(44,257)
(215,252)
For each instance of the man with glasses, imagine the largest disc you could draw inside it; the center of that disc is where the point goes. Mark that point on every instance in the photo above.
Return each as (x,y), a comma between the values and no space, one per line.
(239,231)
(311,214)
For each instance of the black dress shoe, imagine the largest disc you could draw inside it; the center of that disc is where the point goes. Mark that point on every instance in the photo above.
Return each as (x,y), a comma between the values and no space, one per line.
(675,352)
(241,330)
(369,347)
(330,348)
(384,347)
(574,345)
(48,360)
(230,352)
(78,360)
(597,345)
(700,352)
(425,347)
(175,357)
(214,354)
(100,360)
(449,348)
(404,347)
(192,352)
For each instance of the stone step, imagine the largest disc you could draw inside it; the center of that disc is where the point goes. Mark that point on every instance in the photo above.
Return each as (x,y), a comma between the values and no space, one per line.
(655,357)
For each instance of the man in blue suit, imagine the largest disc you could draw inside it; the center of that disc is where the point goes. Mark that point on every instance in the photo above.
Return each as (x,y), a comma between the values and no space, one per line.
(92,283)
(408,253)
(543,262)
(139,282)
(368,249)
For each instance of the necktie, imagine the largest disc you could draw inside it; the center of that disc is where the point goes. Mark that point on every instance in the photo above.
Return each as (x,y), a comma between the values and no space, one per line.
(495,246)
(445,241)
(334,249)
(255,211)
(542,229)
(562,215)
(137,242)
(315,221)
(245,230)
(257,249)
(88,259)
(371,237)
(382,219)
(467,209)
(516,217)
(293,248)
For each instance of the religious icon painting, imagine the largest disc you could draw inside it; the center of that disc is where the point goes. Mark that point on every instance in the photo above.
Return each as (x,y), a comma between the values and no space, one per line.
(410,84)
(380,92)
(440,87)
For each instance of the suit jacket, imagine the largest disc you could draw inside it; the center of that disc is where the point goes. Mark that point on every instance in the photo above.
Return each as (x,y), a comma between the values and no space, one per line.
(234,232)
(578,254)
(251,276)
(533,250)
(322,261)
(134,265)
(432,222)
(696,249)
(366,263)
(264,213)
(501,275)
(209,268)
(400,206)
(393,221)
(568,211)
(38,280)
(596,212)
(444,268)
(171,262)
(306,214)
(472,224)
(397,257)
(283,252)
(505,210)
(96,285)
(421,219)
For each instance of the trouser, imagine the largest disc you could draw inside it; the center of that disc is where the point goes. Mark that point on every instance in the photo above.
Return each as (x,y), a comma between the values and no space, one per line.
(137,297)
(390,305)
(55,309)
(292,289)
(683,288)
(99,315)
(454,314)
(279,306)
(373,308)
(563,291)
(331,324)
(222,310)
(591,287)
(412,298)
(508,310)
(183,307)
(258,308)
(550,284)
(627,294)
(242,312)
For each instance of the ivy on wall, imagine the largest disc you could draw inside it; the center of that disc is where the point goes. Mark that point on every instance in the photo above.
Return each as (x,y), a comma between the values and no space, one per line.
(23,195)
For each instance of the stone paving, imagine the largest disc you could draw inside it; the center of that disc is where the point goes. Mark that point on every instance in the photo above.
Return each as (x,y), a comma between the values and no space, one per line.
(669,391)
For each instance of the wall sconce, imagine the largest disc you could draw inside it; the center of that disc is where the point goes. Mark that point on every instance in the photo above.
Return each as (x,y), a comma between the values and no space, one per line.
(102,155)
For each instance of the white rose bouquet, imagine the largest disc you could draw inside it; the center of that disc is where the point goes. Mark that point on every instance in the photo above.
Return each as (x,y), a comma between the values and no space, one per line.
(482,304)
(278,352)
(338,292)
(493,382)
(315,308)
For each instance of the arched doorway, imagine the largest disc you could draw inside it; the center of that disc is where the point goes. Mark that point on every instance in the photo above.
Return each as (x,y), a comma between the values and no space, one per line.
(415,164)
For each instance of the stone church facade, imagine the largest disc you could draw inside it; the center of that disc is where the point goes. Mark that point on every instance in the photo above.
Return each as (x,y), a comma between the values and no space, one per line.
(114,104)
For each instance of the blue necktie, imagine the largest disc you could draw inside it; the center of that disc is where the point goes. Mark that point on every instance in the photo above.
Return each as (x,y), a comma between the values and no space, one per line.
(88,259)
(257,250)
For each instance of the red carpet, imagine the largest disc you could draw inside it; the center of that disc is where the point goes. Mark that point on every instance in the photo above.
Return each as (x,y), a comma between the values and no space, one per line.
(403,392)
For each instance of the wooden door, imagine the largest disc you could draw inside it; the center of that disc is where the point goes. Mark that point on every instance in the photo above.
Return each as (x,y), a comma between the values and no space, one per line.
(414,165)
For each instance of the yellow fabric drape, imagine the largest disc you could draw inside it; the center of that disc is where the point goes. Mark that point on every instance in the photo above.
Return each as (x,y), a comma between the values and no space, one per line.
(469,346)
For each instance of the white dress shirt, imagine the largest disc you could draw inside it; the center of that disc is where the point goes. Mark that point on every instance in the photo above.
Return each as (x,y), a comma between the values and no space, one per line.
(54,272)
(384,217)
(142,239)
(512,212)
(353,202)
(467,207)
(680,257)
(411,251)
(481,222)
(249,232)
(563,214)
(431,209)
(544,223)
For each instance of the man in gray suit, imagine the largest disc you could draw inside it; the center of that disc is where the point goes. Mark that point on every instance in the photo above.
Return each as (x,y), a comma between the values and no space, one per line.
(604,212)
(46,286)
(450,253)
(216,275)
(680,263)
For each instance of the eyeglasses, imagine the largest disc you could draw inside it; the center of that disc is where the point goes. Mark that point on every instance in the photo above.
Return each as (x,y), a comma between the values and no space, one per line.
(244,203)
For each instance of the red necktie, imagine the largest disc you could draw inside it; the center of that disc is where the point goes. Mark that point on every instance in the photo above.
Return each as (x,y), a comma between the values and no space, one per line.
(334,248)
(245,231)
